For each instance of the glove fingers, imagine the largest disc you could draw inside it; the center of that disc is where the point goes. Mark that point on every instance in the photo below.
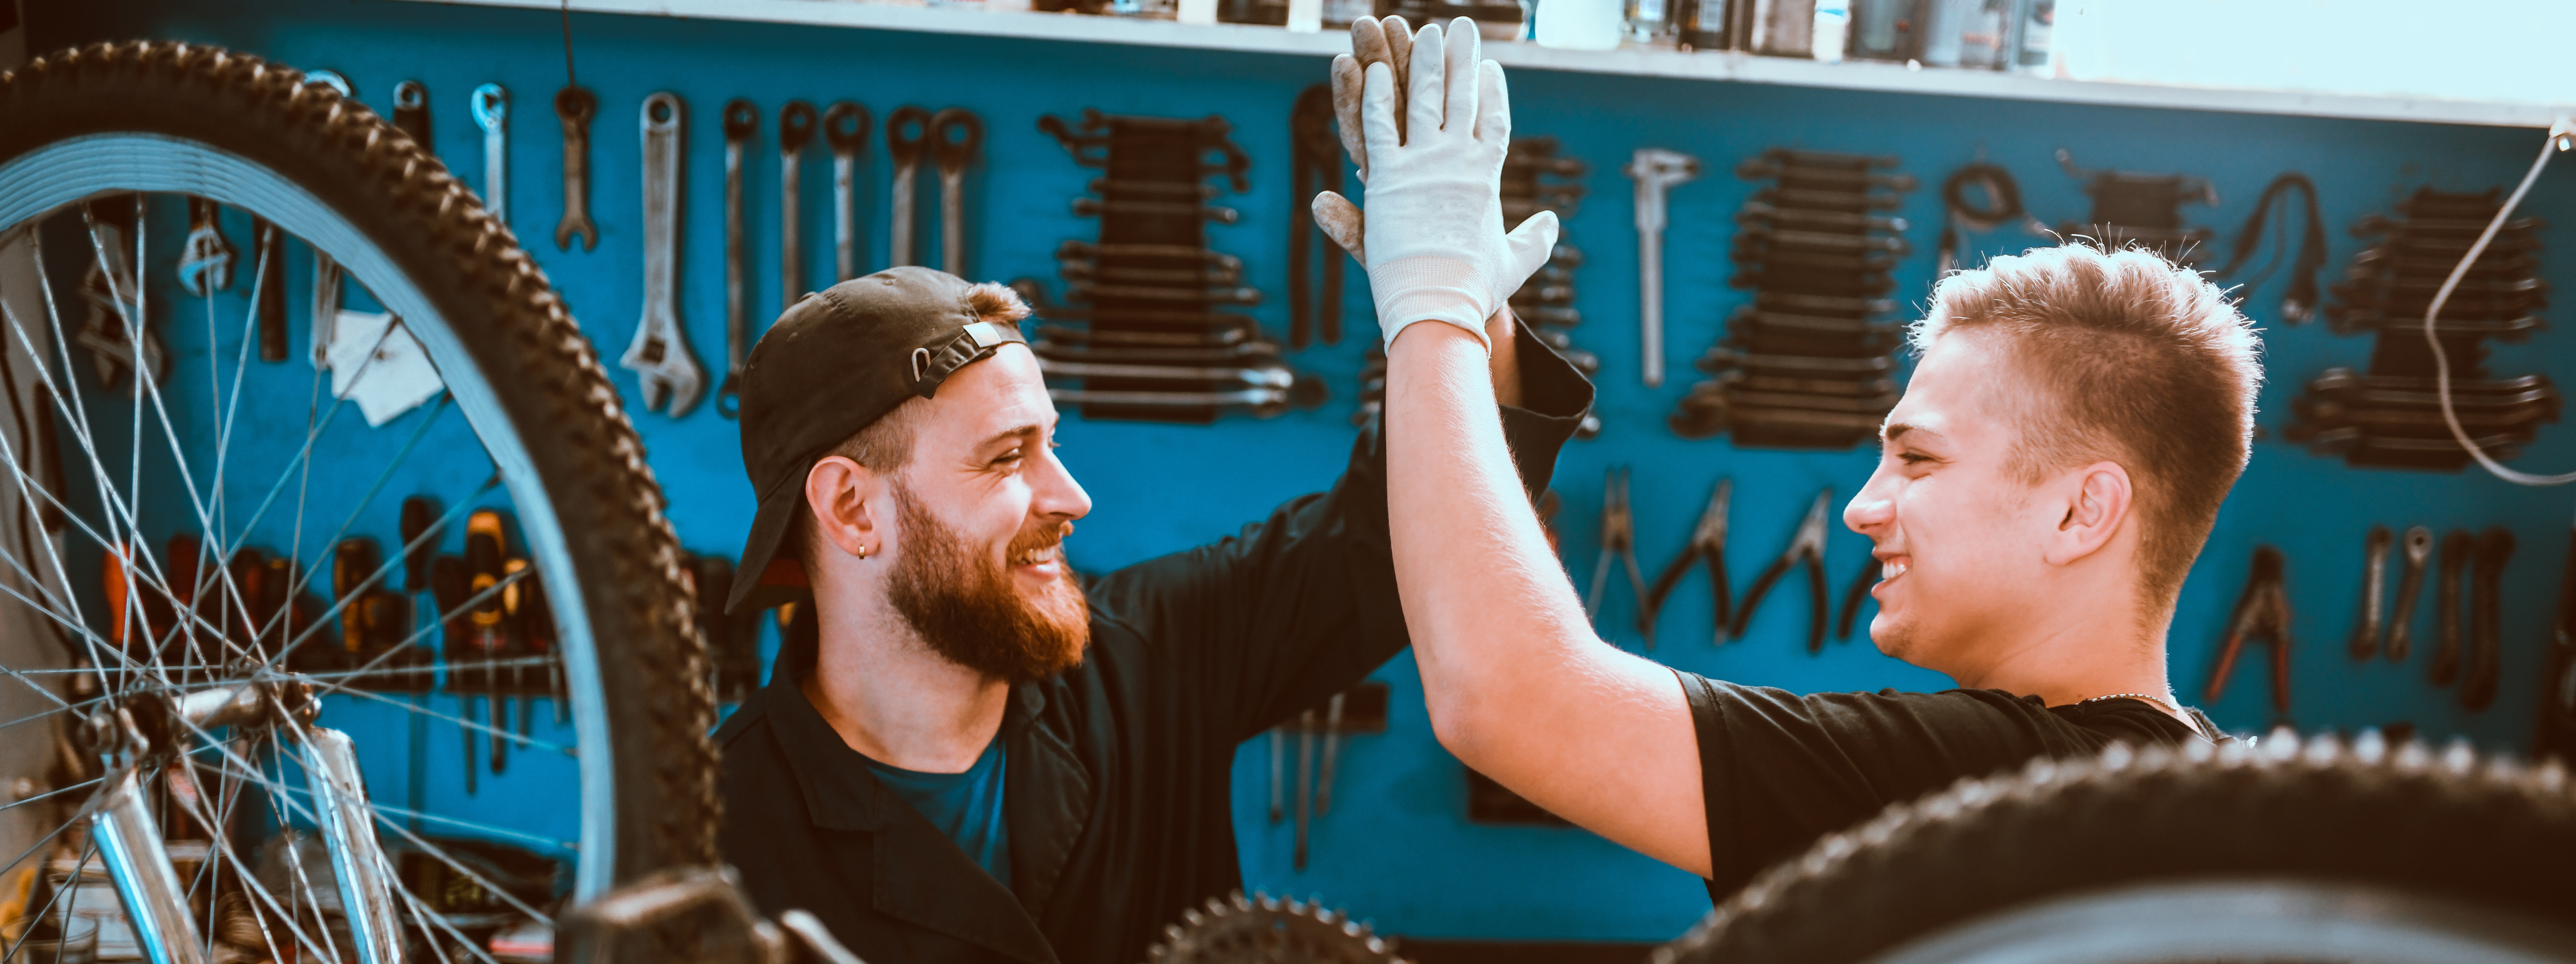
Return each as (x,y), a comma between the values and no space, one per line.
(1377,110)
(1494,105)
(1341,221)
(1399,55)
(1531,244)
(1428,94)
(1346,110)
(1459,65)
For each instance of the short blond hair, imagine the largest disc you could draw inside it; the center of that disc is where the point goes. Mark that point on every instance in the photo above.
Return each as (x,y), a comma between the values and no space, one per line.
(2131,360)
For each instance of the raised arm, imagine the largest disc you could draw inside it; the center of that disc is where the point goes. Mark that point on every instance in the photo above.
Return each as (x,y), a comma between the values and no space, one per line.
(1519,686)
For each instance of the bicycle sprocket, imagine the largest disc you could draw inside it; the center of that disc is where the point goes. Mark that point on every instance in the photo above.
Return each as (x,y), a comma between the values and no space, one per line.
(1262,929)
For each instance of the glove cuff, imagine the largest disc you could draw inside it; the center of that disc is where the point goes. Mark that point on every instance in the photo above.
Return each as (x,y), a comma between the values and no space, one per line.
(1429,288)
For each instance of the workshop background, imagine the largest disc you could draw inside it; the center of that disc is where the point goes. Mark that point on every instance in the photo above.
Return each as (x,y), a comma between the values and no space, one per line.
(1401,802)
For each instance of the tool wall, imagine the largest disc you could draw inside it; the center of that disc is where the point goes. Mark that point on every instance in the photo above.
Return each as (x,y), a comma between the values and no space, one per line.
(1397,843)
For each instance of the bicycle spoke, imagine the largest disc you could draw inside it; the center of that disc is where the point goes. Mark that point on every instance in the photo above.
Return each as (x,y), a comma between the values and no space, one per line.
(417,709)
(52,793)
(63,931)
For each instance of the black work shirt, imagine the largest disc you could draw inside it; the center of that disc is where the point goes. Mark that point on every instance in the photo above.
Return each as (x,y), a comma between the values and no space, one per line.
(1781,771)
(1121,769)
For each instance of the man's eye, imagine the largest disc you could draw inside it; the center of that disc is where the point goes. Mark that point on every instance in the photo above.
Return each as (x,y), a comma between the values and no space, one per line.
(1913,458)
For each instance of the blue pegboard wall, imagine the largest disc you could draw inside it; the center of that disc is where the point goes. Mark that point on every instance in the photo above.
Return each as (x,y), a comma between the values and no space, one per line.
(1397,848)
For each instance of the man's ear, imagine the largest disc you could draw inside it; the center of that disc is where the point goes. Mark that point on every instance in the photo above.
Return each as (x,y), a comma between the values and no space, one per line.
(2097,501)
(841,494)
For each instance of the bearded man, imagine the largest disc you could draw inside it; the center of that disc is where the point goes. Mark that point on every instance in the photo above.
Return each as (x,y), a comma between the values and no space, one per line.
(983,759)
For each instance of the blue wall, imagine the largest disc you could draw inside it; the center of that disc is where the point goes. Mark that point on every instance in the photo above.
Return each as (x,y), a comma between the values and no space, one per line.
(1397,848)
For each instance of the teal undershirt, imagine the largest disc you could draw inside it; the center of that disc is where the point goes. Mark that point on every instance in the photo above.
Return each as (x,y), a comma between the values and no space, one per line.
(966,806)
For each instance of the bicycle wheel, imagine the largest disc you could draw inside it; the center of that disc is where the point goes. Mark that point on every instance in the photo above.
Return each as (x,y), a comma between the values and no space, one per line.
(2293,850)
(191,663)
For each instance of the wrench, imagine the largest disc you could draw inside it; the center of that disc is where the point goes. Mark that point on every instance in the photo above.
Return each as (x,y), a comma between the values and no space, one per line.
(741,121)
(411,113)
(2446,653)
(207,265)
(491,109)
(2418,543)
(1654,170)
(908,150)
(955,136)
(795,128)
(330,79)
(575,105)
(268,246)
(2374,580)
(660,352)
(2486,618)
(845,128)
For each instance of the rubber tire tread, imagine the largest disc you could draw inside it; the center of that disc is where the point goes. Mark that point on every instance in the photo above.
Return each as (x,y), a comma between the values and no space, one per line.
(652,659)
(2448,825)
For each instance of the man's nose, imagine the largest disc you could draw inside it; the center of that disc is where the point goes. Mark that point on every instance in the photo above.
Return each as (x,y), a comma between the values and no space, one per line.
(1053,492)
(1874,507)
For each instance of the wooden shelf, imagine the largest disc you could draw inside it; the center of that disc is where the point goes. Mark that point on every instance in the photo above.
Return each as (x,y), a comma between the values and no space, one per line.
(1642,62)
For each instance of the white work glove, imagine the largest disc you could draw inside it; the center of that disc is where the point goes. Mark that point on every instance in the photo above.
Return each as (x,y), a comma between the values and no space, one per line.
(1434,247)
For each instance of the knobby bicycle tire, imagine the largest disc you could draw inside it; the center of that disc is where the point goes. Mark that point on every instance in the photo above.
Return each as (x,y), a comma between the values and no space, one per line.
(543,374)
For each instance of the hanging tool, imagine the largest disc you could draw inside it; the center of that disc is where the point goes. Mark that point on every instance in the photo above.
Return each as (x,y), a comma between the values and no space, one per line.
(2262,613)
(845,129)
(1618,538)
(1305,781)
(2003,197)
(207,265)
(1655,170)
(268,242)
(449,585)
(741,121)
(2486,620)
(411,114)
(908,142)
(1853,595)
(485,565)
(2418,546)
(1707,542)
(955,137)
(513,597)
(2300,303)
(491,109)
(795,130)
(352,562)
(1332,753)
(2457,547)
(575,106)
(670,375)
(322,320)
(1316,166)
(2374,582)
(1278,774)
(331,79)
(1806,548)
(117,333)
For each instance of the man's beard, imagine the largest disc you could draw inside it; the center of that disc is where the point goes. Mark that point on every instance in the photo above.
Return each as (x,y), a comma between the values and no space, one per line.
(968,609)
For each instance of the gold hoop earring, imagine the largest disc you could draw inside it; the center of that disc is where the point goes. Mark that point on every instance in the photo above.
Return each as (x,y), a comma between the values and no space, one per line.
(863,552)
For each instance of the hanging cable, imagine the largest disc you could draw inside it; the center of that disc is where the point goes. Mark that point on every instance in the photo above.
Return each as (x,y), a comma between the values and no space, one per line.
(2001,191)
(2300,304)
(2562,136)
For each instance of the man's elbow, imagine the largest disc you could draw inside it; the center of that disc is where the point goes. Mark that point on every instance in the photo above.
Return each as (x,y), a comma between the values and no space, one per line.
(1465,725)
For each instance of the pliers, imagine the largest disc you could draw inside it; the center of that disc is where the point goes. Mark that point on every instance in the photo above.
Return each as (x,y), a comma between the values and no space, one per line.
(1708,541)
(1808,548)
(2263,613)
(1619,538)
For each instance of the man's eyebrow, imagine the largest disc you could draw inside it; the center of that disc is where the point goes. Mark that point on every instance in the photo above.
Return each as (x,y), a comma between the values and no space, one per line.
(1896,430)
(1010,433)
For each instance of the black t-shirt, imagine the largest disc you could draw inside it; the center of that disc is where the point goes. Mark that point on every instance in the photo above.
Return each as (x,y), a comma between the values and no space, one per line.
(1781,770)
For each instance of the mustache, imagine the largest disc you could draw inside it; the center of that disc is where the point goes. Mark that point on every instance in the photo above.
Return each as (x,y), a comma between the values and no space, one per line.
(1042,536)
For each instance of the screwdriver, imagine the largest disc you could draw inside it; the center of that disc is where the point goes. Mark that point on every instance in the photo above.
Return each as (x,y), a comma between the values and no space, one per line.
(484,554)
(419,516)
(352,561)
(512,597)
(447,585)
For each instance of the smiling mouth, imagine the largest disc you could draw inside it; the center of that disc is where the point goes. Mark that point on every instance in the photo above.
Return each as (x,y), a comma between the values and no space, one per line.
(1890,569)
(1038,556)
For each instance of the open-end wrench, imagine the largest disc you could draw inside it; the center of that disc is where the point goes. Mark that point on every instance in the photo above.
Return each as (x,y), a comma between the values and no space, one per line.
(330,79)
(2418,546)
(955,136)
(575,105)
(2445,666)
(411,113)
(2486,620)
(741,121)
(795,129)
(491,109)
(2374,582)
(845,128)
(206,266)
(660,352)
(907,141)
(1655,170)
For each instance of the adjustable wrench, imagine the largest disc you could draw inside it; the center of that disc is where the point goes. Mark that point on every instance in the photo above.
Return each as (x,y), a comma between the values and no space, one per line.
(575,105)
(795,128)
(955,137)
(845,128)
(908,140)
(491,109)
(660,352)
(1654,170)
(2418,544)
(2445,666)
(2374,582)
(741,121)
(2486,620)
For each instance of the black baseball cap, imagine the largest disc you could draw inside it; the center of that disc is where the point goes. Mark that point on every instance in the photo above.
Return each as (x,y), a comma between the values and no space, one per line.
(833,364)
